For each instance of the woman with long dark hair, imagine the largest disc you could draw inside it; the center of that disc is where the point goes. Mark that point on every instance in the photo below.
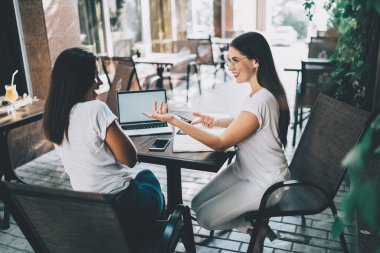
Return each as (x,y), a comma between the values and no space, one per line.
(95,152)
(259,132)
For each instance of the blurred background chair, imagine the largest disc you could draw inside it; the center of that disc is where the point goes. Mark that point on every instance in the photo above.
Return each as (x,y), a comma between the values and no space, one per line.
(207,54)
(315,79)
(55,220)
(190,68)
(122,76)
(321,47)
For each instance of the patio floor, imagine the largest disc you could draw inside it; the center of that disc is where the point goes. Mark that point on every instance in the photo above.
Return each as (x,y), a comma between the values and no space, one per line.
(292,236)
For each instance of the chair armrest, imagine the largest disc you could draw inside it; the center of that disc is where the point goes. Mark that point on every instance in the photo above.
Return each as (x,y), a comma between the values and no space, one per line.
(171,229)
(289,183)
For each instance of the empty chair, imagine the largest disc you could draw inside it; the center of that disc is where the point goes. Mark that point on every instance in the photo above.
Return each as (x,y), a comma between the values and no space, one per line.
(321,47)
(188,47)
(55,220)
(122,76)
(316,172)
(206,55)
(315,79)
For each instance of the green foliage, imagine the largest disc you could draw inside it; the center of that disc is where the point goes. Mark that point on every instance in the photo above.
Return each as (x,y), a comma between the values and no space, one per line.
(364,194)
(352,19)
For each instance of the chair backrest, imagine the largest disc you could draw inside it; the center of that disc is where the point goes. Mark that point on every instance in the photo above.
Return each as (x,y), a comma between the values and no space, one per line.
(321,48)
(185,46)
(316,79)
(65,221)
(122,76)
(205,54)
(332,130)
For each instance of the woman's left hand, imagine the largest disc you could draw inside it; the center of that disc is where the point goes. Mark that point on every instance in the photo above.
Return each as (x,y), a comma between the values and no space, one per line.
(160,113)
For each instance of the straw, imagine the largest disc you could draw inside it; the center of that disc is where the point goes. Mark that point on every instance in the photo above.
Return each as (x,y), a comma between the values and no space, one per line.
(13,76)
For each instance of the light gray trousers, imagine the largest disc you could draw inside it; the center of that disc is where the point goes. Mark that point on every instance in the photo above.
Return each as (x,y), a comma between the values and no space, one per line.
(220,205)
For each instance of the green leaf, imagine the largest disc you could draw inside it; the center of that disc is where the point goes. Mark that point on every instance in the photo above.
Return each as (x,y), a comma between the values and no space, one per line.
(337,228)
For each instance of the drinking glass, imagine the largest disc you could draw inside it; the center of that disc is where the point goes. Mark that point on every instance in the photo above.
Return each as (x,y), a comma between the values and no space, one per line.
(12,95)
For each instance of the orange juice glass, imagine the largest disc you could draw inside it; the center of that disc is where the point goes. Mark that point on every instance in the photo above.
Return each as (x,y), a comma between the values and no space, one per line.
(11,93)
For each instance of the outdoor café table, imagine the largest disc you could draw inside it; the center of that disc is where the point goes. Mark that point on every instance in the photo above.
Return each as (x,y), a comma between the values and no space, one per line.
(202,161)
(20,117)
(164,61)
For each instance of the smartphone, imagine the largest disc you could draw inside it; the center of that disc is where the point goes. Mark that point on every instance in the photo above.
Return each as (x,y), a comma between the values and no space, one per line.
(184,119)
(160,144)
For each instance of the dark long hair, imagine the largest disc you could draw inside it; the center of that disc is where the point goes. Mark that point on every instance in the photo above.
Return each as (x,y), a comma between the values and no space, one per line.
(254,46)
(73,74)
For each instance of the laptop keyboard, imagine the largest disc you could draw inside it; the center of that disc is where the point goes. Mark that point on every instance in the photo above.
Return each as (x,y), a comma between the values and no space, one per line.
(144,126)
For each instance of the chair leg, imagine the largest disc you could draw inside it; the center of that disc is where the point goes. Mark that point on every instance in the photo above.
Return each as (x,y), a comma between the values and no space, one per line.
(199,80)
(295,125)
(212,233)
(301,118)
(187,82)
(170,83)
(6,217)
(303,220)
(187,234)
(343,242)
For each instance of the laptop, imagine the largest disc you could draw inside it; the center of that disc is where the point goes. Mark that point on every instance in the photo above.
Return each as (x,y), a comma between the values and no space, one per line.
(131,105)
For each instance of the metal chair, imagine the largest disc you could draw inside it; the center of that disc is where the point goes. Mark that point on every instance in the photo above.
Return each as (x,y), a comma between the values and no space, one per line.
(188,47)
(316,172)
(55,220)
(315,79)
(122,76)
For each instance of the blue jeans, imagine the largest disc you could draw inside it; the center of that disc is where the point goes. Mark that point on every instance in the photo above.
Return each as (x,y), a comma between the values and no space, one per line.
(142,203)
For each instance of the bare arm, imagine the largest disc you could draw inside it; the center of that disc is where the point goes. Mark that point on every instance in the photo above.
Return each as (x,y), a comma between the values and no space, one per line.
(210,121)
(240,128)
(121,145)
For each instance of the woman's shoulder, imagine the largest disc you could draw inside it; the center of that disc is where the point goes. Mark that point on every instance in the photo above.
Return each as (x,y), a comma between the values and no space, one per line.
(264,96)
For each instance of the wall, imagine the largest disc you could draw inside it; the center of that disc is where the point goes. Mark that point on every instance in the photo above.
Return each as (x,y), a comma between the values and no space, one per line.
(49,26)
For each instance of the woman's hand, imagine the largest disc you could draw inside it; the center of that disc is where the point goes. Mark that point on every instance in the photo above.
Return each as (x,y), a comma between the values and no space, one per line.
(206,120)
(160,113)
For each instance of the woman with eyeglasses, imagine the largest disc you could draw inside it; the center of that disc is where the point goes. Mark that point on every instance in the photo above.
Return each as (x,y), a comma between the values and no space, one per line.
(95,152)
(259,132)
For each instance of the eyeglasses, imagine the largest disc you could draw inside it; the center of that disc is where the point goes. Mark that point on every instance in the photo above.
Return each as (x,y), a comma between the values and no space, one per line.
(234,61)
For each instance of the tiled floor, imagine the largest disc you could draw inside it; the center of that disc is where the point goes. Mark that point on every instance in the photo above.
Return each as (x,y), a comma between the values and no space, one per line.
(292,235)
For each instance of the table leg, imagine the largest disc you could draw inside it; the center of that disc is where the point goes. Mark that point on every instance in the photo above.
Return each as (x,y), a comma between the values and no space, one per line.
(174,187)
(160,72)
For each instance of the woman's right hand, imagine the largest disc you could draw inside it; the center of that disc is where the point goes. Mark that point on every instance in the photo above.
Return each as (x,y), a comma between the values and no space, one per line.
(205,120)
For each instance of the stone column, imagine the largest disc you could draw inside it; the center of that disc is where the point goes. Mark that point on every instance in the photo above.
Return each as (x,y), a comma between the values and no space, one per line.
(261,15)
(181,15)
(161,29)
(228,17)
(218,18)
(49,26)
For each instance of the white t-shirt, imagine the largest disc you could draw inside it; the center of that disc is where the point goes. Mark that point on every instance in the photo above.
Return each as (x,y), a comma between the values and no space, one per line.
(86,157)
(260,157)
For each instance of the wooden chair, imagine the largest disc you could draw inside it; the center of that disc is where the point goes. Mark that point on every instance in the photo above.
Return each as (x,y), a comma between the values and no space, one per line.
(55,220)
(315,79)
(316,172)
(188,47)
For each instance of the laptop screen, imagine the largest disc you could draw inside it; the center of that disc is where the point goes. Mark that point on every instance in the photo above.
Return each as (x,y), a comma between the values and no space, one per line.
(132,104)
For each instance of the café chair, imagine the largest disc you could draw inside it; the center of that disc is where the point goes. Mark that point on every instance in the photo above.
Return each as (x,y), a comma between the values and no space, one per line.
(321,47)
(207,55)
(315,79)
(187,47)
(316,171)
(121,75)
(56,220)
